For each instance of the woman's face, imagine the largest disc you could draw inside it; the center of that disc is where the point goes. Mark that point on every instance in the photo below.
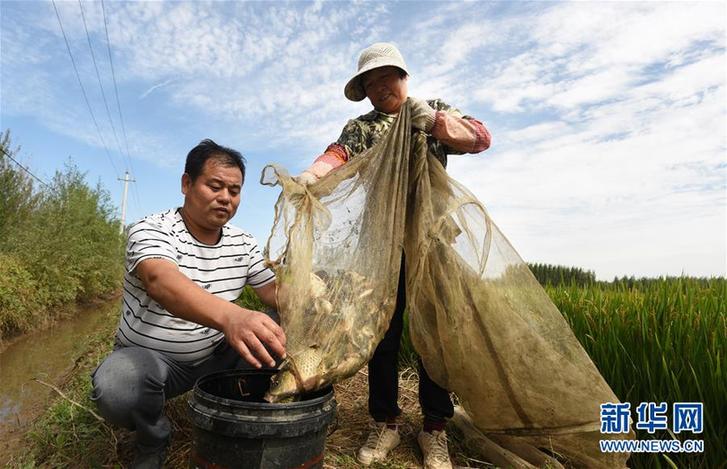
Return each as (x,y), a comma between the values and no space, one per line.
(385,88)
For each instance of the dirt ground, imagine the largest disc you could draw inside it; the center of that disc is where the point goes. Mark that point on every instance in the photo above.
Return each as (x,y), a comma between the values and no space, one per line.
(349,433)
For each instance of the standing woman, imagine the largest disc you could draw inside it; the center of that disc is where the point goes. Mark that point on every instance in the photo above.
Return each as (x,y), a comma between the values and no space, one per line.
(382,77)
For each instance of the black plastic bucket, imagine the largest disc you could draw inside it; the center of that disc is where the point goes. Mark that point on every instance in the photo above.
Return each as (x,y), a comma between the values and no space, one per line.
(235,428)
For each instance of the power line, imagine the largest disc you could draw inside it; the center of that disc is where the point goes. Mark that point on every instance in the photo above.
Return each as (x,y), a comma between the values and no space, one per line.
(118,105)
(24,168)
(113,76)
(83,90)
(137,201)
(98,77)
(116,88)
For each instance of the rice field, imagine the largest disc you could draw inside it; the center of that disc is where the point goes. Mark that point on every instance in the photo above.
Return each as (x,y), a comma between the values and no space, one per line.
(659,341)
(655,340)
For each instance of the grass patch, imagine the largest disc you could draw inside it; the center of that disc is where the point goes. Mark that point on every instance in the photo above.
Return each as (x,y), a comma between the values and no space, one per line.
(657,341)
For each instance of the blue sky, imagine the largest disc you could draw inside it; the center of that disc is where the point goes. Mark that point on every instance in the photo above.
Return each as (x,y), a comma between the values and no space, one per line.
(609,120)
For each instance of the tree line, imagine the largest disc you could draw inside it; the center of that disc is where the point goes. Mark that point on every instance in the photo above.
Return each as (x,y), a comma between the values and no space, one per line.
(548,274)
(59,243)
(559,275)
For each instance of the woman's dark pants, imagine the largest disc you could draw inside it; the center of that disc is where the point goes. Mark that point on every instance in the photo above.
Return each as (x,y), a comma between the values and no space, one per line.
(384,373)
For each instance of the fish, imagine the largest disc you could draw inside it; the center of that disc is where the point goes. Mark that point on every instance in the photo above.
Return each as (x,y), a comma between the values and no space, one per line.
(318,287)
(298,374)
(335,317)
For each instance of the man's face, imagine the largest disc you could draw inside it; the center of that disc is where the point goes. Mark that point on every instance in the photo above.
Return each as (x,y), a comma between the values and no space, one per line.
(385,88)
(212,199)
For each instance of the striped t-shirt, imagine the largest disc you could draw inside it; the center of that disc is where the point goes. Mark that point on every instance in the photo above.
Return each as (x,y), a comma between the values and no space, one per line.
(222,269)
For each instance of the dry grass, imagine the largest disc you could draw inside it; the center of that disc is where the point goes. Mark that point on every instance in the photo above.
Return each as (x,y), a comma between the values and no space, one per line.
(346,435)
(353,421)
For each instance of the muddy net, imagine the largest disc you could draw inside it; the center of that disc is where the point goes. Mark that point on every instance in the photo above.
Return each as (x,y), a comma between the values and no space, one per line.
(483,326)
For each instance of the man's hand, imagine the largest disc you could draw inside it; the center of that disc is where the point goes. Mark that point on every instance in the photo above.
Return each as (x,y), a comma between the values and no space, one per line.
(245,330)
(422,115)
(306,178)
(249,331)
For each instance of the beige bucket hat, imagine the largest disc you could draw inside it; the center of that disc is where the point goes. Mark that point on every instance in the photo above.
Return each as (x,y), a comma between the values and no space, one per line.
(374,56)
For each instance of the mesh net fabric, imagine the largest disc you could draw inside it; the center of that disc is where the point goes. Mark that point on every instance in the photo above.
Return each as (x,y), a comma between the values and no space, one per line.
(483,326)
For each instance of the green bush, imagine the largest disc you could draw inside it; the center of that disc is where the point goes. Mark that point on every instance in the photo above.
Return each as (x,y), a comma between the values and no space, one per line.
(17,198)
(18,298)
(61,244)
(72,244)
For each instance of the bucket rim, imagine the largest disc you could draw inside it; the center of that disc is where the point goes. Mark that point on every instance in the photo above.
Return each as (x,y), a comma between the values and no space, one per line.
(236,403)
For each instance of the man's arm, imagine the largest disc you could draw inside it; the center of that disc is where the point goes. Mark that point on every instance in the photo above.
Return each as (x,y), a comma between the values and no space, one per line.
(244,329)
(266,293)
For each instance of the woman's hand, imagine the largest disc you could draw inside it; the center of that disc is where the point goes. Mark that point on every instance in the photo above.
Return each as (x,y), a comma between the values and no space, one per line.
(422,115)
(306,178)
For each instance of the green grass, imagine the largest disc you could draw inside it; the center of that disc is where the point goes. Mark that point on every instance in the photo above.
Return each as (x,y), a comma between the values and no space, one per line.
(654,340)
(661,340)
(248,299)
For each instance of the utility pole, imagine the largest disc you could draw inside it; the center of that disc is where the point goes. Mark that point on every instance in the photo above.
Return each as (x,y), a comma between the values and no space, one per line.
(123,200)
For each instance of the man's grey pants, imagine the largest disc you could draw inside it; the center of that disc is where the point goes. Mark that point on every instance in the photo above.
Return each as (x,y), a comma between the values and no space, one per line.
(131,385)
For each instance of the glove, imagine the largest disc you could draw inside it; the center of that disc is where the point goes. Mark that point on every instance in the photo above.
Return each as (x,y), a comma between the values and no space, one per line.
(306,178)
(422,115)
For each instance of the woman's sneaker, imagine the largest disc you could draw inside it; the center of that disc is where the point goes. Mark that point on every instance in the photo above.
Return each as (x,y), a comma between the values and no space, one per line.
(435,451)
(381,440)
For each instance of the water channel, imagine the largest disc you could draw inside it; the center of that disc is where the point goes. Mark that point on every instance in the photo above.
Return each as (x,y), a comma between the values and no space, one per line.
(47,355)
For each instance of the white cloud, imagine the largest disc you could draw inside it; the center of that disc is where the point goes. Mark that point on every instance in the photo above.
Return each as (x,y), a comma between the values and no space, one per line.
(558,184)
(156,87)
(608,119)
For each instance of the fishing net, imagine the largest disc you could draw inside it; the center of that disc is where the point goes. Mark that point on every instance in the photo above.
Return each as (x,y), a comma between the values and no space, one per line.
(483,326)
